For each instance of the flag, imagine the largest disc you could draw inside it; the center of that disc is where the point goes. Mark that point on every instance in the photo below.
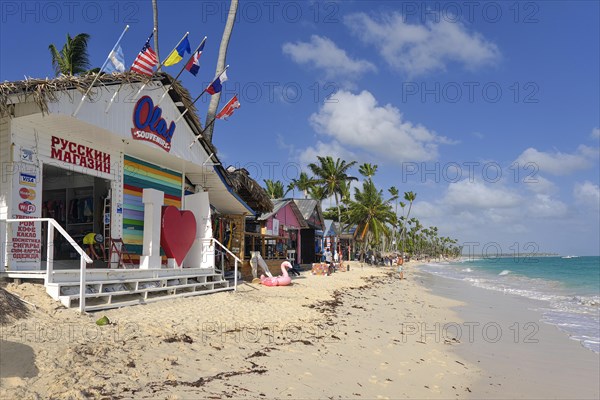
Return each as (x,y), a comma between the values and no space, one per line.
(146,60)
(229,108)
(177,54)
(194,64)
(217,84)
(116,61)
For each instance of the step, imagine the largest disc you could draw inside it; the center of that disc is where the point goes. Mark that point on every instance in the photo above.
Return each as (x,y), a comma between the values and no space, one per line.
(95,275)
(54,289)
(118,304)
(67,300)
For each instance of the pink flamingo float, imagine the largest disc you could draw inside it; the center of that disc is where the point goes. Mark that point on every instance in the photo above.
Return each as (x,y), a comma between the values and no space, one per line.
(283,280)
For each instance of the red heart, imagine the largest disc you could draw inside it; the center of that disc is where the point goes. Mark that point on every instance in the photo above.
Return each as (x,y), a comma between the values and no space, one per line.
(178,232)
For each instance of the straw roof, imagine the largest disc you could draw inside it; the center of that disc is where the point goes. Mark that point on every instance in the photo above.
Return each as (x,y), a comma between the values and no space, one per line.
(43,91)
(11,307)
(249,190)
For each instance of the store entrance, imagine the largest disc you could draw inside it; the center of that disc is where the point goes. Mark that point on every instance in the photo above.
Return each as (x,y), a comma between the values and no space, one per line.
(76,201)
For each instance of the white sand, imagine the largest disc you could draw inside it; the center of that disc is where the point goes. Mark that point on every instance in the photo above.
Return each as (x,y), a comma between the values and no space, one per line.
(349,335)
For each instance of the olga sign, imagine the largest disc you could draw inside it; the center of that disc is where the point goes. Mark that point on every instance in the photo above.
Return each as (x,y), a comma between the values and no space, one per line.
(149,124)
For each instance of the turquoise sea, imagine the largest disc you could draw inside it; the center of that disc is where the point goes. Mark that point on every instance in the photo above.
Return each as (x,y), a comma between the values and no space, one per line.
(568,287)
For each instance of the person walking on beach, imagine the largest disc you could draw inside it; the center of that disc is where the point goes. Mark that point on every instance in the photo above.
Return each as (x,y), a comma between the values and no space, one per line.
(401,271)
(328,256)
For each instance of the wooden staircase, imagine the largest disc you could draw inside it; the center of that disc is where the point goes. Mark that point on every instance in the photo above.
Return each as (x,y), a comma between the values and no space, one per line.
(113,288)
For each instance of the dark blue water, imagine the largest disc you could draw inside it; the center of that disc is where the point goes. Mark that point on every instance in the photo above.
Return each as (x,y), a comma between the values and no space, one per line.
(569,288)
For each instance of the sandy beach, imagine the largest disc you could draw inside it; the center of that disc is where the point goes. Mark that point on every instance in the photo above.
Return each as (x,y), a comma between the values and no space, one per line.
(357,334)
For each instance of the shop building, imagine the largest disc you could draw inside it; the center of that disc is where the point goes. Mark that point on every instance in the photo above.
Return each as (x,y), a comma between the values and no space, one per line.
(89,173)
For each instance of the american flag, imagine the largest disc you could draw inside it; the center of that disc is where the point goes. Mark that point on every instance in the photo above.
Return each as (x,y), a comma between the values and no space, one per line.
(146,60)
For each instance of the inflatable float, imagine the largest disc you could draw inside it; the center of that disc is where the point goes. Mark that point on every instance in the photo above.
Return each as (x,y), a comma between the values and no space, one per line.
(283,280)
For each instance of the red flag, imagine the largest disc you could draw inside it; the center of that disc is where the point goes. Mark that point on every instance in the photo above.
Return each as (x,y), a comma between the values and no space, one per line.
(146,60)
(229,108)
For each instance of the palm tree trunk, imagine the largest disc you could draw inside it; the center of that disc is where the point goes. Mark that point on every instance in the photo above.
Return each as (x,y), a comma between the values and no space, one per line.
(339,233)
(214,101)
(155,12)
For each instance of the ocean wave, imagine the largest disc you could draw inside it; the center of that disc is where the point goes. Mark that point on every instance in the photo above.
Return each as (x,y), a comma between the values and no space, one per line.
(505,272)
(467,270)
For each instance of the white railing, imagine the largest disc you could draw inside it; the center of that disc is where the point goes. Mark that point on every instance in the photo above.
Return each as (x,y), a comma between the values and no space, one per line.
(84,259)
(212,241)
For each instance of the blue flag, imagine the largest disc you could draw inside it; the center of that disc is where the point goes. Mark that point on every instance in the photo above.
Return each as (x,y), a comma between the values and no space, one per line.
(116,61)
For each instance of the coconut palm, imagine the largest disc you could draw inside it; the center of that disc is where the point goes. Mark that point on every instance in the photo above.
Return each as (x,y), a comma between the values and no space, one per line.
(73,58)
(394,193)
(155,14)
(317,193)
(333,177)
(371,213)
(304,183)
(410,197)
(367,170)
(221,61)
(274,189)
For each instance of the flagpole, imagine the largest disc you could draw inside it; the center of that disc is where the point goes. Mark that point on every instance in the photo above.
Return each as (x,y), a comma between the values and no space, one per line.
(116,93)
(160,65)
(147,81)
(98,75)
(209,124)
(200,135)
(204,91)
(180,72)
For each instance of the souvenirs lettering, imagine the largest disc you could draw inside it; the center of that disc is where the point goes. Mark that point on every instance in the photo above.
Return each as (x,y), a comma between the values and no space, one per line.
(149,124)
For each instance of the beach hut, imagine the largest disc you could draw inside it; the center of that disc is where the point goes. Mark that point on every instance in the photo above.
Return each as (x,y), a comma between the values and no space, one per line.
(93,170)
(277,235)
(312,237)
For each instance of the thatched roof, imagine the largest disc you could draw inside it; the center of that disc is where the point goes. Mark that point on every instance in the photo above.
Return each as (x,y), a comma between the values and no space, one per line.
(42,91)
(249,190)
(11,307)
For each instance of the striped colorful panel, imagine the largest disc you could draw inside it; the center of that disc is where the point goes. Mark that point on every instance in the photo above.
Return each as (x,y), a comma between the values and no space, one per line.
(139,175)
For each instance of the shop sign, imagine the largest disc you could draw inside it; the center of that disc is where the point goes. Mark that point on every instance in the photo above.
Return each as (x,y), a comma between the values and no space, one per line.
(27,193)
(27,156)
(28,179)
(150,126)
(25,237)
(78,154)
(27,207)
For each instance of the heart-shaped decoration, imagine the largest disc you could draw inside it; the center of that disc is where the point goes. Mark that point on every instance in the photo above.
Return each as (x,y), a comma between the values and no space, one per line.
(178,232)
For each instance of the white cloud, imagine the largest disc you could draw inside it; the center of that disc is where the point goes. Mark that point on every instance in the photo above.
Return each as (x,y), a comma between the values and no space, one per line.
(357,121)
(333,149)
(418,49)
(478,195)
(558,163)
(538,184)
(323,53)
(543,206)
(588,194)
(595,133)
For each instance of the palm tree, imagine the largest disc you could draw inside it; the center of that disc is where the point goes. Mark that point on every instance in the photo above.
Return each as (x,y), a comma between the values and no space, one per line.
(155,14)
(214,100)
(304,183)
(394,193)
(73,58)
(275,189)
(367,170)
(317,193)
(332,176)
(410,197)
(371,213)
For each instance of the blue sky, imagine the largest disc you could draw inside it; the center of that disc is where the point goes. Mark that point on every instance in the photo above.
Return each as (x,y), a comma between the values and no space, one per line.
(489,111)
